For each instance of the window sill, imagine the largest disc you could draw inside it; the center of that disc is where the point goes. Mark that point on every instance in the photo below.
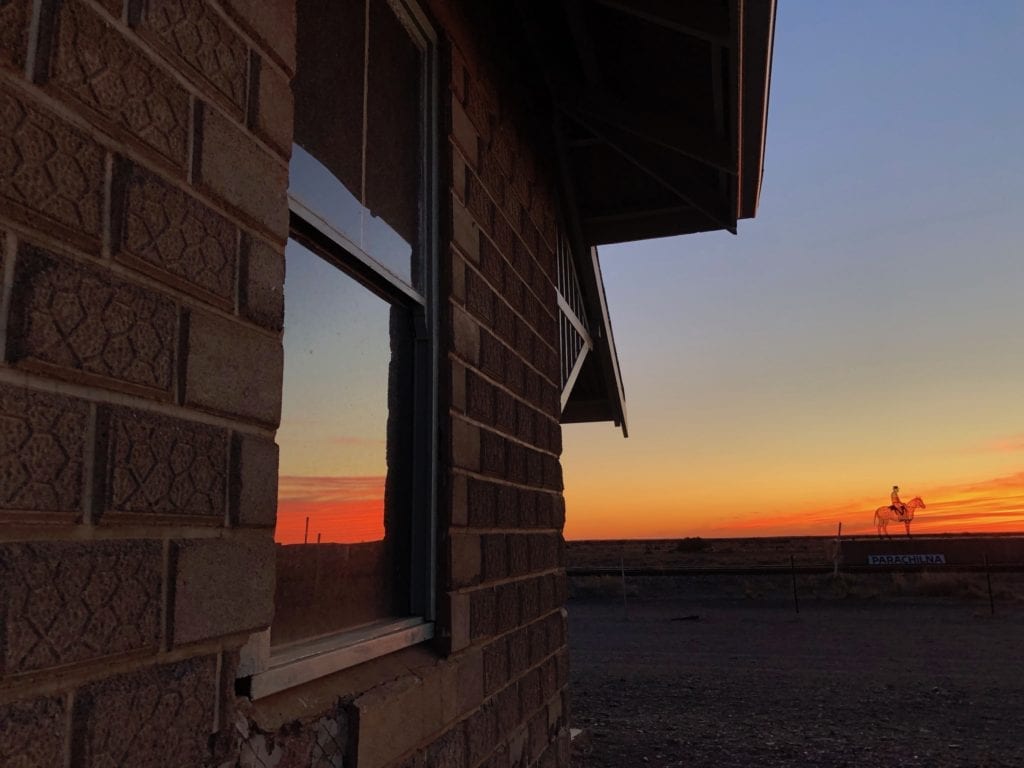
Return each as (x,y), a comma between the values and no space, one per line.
(302,662)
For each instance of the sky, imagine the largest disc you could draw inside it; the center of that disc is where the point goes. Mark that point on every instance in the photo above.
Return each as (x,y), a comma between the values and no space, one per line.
(865,329)
(334,406)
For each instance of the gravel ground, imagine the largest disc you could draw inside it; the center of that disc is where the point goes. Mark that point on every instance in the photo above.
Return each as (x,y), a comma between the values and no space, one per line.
(914,682)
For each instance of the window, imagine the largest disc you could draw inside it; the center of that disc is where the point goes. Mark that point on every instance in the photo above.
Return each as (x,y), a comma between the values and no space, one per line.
(356,498)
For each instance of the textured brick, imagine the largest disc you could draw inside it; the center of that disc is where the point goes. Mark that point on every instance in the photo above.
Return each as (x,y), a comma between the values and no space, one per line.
(495,665)
(68,602)
(507,607)
(232,369)
(253,481)
(464,559)
(456,618)
(158,717)
(508,710)
(394,718)
(75,319)
(51,172)
(518,652)
(273,24)
(449,751)
(519,555)
(458,393)
(481,733)
(15,16)
(494,557)
(465,445)
(32,733)
(466,339)
(465,231)
(470,676)
(481,613)
(480,396)
(97,67)
(465,134)
(262,283)
(529,691)
(273,108)
(529,599)
(232,167)
(194,32)
(492,453)
(159,465)
(480,499)
(176,239)
(221,586)
(42,439)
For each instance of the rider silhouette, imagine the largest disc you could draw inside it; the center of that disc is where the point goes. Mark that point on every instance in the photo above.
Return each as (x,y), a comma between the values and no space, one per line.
(897,506)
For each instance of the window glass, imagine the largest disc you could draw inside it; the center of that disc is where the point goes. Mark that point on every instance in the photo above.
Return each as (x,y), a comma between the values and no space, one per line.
(359,153)
(345,461)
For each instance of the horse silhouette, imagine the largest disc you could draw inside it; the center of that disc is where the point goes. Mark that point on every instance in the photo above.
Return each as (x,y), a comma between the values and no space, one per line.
(883,516)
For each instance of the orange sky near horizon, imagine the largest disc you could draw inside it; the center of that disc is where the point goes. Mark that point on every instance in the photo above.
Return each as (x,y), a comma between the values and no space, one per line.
(351,509)
(990,506)
(342,510)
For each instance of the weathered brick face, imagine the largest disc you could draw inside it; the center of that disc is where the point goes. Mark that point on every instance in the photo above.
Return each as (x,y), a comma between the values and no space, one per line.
(49,170)
(506,484)
(172,236)
(15,16)
(96,67)
(32,733)
(195,33)
(70,602)
(137,461)
(159,717)
(42,447)
(143,176)
(157,465)
(73,319)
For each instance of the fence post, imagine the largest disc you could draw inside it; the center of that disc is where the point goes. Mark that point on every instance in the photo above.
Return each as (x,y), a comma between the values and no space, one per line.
(622,570)
(988,578)
(838,556)
(792,569)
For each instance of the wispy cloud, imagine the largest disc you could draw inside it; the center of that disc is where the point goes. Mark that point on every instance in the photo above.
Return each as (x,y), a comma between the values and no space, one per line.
(339,509)
(356,441)
(1008,444)
(994,504)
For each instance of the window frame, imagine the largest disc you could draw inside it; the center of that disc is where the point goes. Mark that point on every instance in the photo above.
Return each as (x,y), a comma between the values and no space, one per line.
(271,670)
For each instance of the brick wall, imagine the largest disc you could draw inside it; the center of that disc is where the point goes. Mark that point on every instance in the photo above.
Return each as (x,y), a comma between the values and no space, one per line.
(504,577)
(143,167)
(140,321)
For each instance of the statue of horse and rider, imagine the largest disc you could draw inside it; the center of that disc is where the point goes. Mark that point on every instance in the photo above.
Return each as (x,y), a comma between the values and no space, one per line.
(896,511)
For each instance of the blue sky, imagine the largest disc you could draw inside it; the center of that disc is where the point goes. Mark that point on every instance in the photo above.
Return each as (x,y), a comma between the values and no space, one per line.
(865,329)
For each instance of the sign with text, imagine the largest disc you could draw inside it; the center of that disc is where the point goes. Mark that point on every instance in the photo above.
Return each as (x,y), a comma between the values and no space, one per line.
(906,559)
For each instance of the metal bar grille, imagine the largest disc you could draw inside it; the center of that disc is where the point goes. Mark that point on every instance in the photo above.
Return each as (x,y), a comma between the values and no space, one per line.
(574,331)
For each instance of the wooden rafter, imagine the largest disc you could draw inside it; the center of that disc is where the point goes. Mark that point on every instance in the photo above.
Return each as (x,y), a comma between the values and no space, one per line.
(687,18)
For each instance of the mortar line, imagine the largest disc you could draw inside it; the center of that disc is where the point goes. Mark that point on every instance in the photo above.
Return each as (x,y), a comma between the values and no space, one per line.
(9,249)
(89,467)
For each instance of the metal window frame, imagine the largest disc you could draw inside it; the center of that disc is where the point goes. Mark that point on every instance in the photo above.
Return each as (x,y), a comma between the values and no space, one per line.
(271,670)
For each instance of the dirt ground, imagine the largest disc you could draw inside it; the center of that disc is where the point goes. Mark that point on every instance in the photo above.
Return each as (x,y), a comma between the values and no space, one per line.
(924,681)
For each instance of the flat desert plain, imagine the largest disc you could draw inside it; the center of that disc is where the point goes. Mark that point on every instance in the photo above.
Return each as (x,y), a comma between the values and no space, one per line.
(722,671)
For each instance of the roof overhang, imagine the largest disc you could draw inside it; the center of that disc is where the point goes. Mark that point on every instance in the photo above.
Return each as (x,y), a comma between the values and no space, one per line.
(661,108)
